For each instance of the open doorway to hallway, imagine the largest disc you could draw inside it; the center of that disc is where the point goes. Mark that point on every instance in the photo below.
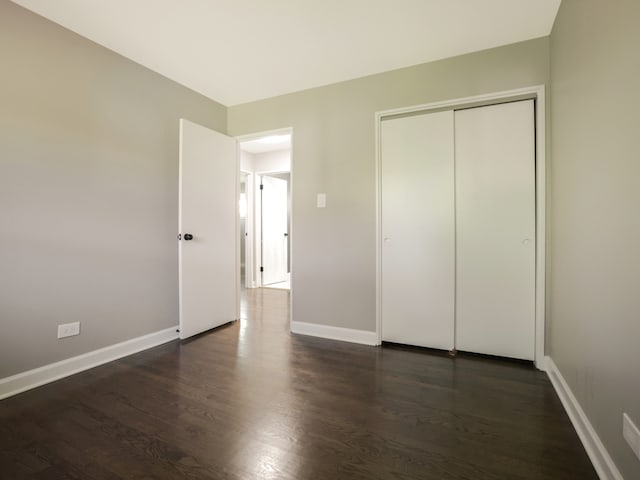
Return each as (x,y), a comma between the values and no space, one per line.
(265,210)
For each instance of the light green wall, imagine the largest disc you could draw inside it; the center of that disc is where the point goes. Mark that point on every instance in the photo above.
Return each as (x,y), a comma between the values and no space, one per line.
(595,224)
(334,259)
(88,192)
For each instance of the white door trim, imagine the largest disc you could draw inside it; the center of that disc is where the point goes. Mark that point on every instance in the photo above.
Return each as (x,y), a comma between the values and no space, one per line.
(266,133)
(536,92)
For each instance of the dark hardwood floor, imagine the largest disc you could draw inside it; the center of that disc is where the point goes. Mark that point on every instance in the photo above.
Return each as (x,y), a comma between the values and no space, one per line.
(251,401)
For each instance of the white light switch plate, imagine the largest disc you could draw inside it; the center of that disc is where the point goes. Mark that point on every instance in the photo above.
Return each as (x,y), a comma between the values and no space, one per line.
(631,434)
(68,329)
(322,200)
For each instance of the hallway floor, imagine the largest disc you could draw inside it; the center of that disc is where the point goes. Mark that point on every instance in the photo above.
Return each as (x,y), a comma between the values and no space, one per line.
(251,401)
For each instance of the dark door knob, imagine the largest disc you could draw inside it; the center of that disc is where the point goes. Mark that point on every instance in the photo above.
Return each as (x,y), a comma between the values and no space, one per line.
(188,236)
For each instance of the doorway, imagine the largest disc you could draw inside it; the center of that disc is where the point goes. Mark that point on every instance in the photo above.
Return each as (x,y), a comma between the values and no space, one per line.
(265,210)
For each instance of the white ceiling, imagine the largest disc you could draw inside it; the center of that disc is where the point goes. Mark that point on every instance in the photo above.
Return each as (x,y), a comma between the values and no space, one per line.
(237,51)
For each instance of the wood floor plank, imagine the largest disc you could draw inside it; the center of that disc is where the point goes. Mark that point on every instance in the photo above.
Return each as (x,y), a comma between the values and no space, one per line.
(249,400)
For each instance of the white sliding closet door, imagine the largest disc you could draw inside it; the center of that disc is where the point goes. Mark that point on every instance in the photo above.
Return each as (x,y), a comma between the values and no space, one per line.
(495,230)
(417,209)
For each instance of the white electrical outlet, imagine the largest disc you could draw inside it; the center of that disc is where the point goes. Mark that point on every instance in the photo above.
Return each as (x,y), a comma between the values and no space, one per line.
(631,434)
(68,329)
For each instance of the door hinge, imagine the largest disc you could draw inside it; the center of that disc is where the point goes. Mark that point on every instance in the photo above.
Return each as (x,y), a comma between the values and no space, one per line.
(262,269)
(261,187)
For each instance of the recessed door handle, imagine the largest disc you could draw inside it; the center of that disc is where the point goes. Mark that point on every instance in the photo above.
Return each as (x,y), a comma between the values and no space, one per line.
(188,236)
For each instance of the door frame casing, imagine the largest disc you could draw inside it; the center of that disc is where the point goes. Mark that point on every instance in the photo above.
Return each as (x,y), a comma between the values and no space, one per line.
(254,136)
(536,92)
(256,251)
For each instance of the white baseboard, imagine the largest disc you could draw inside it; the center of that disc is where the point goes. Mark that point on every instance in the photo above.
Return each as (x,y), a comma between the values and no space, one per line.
(39,376)
(541,364)
(602,461)
(335,333)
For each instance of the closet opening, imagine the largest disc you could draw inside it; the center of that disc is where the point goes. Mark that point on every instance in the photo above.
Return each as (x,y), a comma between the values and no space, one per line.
(461,225)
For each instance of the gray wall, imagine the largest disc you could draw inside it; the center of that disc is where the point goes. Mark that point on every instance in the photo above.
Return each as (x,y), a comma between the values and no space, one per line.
(88,192)
(333,263)
(595,229)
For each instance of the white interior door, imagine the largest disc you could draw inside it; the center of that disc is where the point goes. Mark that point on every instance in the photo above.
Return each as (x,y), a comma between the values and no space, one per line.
(274,230)
(495,230)
(417,202)
(208,211)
